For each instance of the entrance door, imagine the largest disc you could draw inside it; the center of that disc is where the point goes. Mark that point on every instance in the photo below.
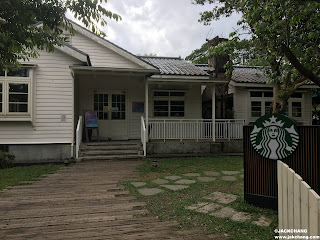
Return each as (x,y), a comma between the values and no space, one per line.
(112,114)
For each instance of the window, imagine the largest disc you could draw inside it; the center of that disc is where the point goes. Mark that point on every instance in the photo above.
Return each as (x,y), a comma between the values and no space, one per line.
(168,103)
(296,109)
(261,103)
(15,90)
(101,106)
(256,109)
(1,100)
(118,106)
(18,97)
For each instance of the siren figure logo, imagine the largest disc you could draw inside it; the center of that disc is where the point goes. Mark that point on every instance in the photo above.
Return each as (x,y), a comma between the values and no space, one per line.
(274,136)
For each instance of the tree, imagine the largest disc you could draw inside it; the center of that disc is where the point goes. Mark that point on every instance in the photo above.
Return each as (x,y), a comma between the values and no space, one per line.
(199,56)
(285,34)
(29,25)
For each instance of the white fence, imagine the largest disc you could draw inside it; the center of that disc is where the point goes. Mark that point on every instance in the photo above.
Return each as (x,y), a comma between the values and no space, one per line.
(79,135)
(298,204)
(195,129)
(143,137)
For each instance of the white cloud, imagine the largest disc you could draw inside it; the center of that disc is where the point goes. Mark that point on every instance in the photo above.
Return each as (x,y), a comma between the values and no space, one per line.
(165,27)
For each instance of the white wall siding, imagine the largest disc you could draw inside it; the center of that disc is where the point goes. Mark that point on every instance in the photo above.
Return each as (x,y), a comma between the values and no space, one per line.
(52,97)
(241,104)
(101,56)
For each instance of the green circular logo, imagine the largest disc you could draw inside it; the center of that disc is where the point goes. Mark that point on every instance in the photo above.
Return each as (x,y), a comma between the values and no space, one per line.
(274,136)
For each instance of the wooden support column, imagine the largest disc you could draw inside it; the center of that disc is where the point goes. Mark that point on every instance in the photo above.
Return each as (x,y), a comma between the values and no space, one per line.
(147,109)
(214,113)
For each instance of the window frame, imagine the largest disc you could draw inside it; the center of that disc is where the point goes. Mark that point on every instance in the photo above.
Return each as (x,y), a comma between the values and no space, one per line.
(6,80)
(169,99)
(264,100)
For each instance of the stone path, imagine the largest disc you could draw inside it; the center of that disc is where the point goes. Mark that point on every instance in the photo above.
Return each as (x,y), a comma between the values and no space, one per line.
(220,208)
(176,183)
(84,201)
(215,204)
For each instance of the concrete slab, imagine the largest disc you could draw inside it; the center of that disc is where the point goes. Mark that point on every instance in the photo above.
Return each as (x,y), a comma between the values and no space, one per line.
(172,177)
(229,178)
(221,197)
(196,205)
(138,184)
(241,217)
(206,179)
(185,181)
(149,191)
(160,181)
(263,221)
(209,208)
(211,173)
(175,187)
(230,172)
(225,212)
(191,174)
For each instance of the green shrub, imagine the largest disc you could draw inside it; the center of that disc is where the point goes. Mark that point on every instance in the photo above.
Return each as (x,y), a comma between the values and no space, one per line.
(6,160)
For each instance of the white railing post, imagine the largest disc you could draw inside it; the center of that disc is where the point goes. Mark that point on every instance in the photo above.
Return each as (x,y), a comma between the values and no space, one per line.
(143,136)
(164,130)
(229,130)
(78,136)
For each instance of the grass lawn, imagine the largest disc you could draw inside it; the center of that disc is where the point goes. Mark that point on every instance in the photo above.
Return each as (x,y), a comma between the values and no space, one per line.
(14,176)
(170,205)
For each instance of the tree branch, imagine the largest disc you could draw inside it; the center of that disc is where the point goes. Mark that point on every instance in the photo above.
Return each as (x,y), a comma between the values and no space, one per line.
(302,69)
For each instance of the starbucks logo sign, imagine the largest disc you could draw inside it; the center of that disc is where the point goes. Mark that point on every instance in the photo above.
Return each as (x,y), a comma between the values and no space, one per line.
(274,136)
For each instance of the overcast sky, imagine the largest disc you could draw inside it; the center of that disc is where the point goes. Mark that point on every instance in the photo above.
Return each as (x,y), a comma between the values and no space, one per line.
(163,27)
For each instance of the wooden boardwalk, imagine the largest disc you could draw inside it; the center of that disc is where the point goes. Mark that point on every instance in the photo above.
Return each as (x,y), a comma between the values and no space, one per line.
(84,201)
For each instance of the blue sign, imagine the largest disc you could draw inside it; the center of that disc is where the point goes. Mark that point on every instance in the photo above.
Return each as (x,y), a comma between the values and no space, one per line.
(91,119)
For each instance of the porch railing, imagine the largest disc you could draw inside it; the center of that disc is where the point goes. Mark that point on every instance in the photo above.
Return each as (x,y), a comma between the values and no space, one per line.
(78,136)
(197,129)
(143,136)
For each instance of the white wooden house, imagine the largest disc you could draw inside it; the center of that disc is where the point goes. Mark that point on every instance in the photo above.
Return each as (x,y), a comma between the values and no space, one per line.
(42,103)
(252,96)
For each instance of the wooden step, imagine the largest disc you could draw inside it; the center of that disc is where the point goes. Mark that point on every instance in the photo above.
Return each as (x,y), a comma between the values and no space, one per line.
(108,152)
(114,147)
(110,157)
(112,143)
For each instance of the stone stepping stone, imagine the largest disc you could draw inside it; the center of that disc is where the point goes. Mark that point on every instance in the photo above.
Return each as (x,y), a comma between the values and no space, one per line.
(210,173)
(241,217)
(196,205)
(206,179)
(191,174)
(160,181)
(230,172)
(185,181)
(229,178)
(263,221)
(225,212)
(149,191)
(221,197)
(172,177)
(242,176)
(209,208)
(175,187)
(138,184)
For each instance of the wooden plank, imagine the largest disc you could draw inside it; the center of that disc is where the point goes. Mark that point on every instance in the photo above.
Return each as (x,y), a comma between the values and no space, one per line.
(285,170)
(313,213)
(280,197)
(290,198)
(305,207)
(297,201)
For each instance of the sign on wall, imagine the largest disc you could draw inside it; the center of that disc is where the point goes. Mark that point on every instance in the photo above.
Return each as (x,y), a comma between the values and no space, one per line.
(91,119)
(274,136)
(138,107)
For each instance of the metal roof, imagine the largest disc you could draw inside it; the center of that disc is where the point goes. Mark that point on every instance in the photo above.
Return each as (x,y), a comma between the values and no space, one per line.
(248,74)
(174,66)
